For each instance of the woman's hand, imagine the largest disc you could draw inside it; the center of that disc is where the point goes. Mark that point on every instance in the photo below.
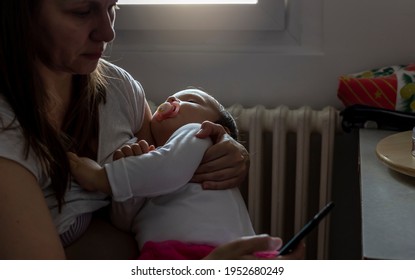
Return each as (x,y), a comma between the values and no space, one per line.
(225,164)
(259,247)
(89,174)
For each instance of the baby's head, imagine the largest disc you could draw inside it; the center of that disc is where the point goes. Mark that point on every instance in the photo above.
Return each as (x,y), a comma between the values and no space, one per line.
(189,106)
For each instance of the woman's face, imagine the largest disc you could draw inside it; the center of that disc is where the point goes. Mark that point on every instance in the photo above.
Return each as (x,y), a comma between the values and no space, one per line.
(73,34)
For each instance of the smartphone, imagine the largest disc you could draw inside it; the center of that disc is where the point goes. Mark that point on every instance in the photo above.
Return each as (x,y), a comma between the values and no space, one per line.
(290,245)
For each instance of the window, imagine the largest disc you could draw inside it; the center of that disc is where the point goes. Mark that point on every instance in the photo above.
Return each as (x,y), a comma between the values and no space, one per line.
(165,2)
(281,26)
(264,15)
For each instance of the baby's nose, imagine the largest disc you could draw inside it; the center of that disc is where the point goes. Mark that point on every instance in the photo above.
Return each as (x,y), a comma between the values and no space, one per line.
(172,99)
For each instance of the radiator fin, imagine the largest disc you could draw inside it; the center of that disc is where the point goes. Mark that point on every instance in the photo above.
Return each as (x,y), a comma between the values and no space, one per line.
(291,153)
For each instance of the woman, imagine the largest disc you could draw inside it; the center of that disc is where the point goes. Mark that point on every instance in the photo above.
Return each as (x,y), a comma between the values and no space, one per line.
(58,95)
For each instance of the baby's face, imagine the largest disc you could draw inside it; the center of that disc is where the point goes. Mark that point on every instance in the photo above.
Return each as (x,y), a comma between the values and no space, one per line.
(187,106)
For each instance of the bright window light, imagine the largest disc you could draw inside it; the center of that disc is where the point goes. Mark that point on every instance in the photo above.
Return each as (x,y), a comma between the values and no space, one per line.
(264,15)
(165,2)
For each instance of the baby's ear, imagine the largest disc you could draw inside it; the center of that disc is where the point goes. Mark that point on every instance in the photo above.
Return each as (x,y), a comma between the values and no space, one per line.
(227,130)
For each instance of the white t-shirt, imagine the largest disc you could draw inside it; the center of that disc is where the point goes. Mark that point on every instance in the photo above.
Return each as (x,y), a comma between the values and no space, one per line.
(119,118)
(176,209)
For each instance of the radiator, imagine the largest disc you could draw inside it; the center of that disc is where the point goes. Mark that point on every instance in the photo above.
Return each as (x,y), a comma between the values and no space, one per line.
(291,152)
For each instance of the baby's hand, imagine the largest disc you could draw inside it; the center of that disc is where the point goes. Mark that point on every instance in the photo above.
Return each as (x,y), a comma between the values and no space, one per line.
(89,174)
(136,149)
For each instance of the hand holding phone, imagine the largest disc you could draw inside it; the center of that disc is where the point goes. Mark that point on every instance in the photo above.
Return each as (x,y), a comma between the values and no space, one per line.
(290,245)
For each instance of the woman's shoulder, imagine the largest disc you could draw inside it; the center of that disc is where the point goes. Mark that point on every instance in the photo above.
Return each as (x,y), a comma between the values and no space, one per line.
(114,71)
(6,112)
(12,145)
(119,80)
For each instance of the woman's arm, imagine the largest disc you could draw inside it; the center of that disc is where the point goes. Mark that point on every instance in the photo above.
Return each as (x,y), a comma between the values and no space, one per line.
(27,230)
(225,164)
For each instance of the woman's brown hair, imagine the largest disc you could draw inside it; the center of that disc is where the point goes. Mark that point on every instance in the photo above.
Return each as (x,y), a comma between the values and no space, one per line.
(22,88)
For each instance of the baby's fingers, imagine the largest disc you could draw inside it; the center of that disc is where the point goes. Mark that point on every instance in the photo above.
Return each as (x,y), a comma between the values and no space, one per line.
(142,147)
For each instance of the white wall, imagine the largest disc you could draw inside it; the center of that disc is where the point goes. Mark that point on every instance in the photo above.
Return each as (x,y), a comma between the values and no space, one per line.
(356,35)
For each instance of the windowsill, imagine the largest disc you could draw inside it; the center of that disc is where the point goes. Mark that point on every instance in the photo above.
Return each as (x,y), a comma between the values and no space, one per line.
(213,41)
(303,35)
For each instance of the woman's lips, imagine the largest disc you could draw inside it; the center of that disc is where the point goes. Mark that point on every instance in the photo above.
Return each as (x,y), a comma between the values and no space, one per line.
(167,110)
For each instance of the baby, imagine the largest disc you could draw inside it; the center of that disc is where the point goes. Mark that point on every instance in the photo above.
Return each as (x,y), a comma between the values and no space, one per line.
(152,196)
